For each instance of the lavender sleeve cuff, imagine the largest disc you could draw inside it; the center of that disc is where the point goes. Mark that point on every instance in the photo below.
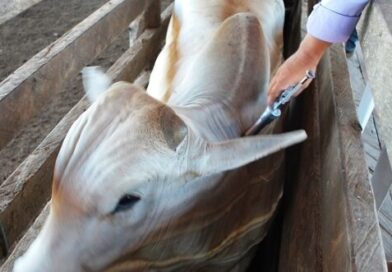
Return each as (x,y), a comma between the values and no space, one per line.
(330,26)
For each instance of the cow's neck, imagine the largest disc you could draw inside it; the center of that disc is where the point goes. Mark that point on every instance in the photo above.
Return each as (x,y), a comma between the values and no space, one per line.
(214,71)
(214,122)
(222,89)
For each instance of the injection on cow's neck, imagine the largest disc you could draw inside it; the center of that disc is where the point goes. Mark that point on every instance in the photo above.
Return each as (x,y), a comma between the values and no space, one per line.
(273,112)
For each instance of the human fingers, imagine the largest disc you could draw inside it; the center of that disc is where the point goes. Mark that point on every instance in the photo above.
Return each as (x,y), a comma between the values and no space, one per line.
(284,77)
(289,73)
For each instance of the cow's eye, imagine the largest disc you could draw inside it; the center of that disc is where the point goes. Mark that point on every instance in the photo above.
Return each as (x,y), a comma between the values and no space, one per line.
(126,202)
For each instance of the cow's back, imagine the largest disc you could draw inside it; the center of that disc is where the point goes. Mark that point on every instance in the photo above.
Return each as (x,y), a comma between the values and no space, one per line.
(194,25)
(213,71)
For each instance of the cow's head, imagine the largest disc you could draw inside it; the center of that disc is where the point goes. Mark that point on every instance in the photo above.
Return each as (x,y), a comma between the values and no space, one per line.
(112,174)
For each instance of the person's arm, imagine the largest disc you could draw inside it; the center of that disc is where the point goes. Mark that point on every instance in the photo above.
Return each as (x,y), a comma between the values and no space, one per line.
(332,21)
(294,68)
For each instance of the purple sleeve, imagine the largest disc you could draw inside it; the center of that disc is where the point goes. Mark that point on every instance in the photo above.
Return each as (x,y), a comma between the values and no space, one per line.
(334,20)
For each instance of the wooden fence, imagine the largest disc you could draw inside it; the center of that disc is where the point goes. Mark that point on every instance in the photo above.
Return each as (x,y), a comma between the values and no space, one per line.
(26,191)
(329,215)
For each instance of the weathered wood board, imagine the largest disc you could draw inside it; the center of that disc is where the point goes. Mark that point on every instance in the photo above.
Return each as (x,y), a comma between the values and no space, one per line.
(26,240)
(26,191)
(375,32)
(301,202)
(385,216)
(331,223)
(24,92)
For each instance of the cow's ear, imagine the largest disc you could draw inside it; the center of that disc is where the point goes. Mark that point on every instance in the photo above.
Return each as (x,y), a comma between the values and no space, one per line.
(231,154)
(173,128)
(95,82)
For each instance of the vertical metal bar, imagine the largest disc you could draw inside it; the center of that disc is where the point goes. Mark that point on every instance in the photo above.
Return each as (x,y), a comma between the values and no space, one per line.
(366,107)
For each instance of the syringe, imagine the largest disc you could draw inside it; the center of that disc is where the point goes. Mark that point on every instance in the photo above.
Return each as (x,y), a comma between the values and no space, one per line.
(273,112)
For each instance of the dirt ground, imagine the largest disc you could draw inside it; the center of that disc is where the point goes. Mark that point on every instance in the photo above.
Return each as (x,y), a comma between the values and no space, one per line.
(25,35)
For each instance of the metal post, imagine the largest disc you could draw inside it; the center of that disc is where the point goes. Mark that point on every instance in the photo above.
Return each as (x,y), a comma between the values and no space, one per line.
(366,107)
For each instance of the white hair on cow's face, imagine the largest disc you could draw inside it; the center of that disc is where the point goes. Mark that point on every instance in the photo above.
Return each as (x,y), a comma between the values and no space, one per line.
(95,82)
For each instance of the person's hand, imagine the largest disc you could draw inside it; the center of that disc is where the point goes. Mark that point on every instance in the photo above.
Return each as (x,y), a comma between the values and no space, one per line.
(294,68)
(290,73)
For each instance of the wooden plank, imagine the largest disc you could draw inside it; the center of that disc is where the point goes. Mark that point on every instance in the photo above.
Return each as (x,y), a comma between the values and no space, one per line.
(382,179)
(331,221)
(362,229)
(152,15)
(300,248)
(28,188)
(11,8)
(136,28)
(32,180)
(385,215)
(335,242)
(24,92)
(370,137)
(375,33)
(143,79)
(26,240)
(370,160)
(150,18)
(371,151)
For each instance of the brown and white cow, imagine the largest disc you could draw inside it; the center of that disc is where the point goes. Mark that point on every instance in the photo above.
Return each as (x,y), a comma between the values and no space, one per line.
(163,181)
